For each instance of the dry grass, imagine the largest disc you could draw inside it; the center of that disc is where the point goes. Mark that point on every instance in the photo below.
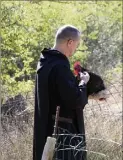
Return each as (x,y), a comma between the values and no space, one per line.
(103,123)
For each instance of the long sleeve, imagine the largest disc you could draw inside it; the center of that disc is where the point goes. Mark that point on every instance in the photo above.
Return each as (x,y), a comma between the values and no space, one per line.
(70,93)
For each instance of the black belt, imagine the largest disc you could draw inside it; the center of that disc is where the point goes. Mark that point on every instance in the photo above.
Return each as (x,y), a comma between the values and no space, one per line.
(63,119)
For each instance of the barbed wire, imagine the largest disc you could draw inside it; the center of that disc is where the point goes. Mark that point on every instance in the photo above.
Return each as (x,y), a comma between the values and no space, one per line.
(103,127)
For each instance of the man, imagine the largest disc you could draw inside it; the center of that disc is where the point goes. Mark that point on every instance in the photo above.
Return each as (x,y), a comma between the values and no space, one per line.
(57,86)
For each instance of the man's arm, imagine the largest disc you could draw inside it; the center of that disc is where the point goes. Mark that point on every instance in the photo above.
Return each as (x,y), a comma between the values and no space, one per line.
(70,93)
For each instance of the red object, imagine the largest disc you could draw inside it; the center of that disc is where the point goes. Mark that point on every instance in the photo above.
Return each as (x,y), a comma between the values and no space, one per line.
(77,68)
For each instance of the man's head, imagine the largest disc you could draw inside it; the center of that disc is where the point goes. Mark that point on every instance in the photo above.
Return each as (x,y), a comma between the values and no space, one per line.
(67,39)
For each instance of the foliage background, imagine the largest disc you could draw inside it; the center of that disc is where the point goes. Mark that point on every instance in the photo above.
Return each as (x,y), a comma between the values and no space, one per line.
(28,27)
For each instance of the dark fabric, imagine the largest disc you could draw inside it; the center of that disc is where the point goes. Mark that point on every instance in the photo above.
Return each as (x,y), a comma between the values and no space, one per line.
(71,144)
(55,85)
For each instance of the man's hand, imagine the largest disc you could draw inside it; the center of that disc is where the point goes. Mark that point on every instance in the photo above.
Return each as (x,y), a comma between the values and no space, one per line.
(84,77)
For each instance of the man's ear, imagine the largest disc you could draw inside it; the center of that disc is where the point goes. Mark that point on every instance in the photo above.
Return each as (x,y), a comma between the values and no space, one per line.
(70,41)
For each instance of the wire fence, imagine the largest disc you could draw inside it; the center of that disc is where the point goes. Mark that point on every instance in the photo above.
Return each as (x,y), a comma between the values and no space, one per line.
(103,129)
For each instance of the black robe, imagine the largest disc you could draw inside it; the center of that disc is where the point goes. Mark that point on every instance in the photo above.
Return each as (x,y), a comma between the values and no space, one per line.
(56,85)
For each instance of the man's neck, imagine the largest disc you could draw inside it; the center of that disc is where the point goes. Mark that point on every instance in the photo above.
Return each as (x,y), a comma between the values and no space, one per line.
(60,49)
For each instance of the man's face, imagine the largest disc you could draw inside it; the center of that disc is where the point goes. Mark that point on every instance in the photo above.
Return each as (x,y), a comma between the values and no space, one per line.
(72,45)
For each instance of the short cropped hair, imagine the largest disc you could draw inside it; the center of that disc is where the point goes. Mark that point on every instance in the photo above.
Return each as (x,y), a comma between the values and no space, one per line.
(67,32)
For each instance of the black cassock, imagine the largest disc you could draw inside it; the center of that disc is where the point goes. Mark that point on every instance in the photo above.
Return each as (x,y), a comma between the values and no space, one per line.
(56,86)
